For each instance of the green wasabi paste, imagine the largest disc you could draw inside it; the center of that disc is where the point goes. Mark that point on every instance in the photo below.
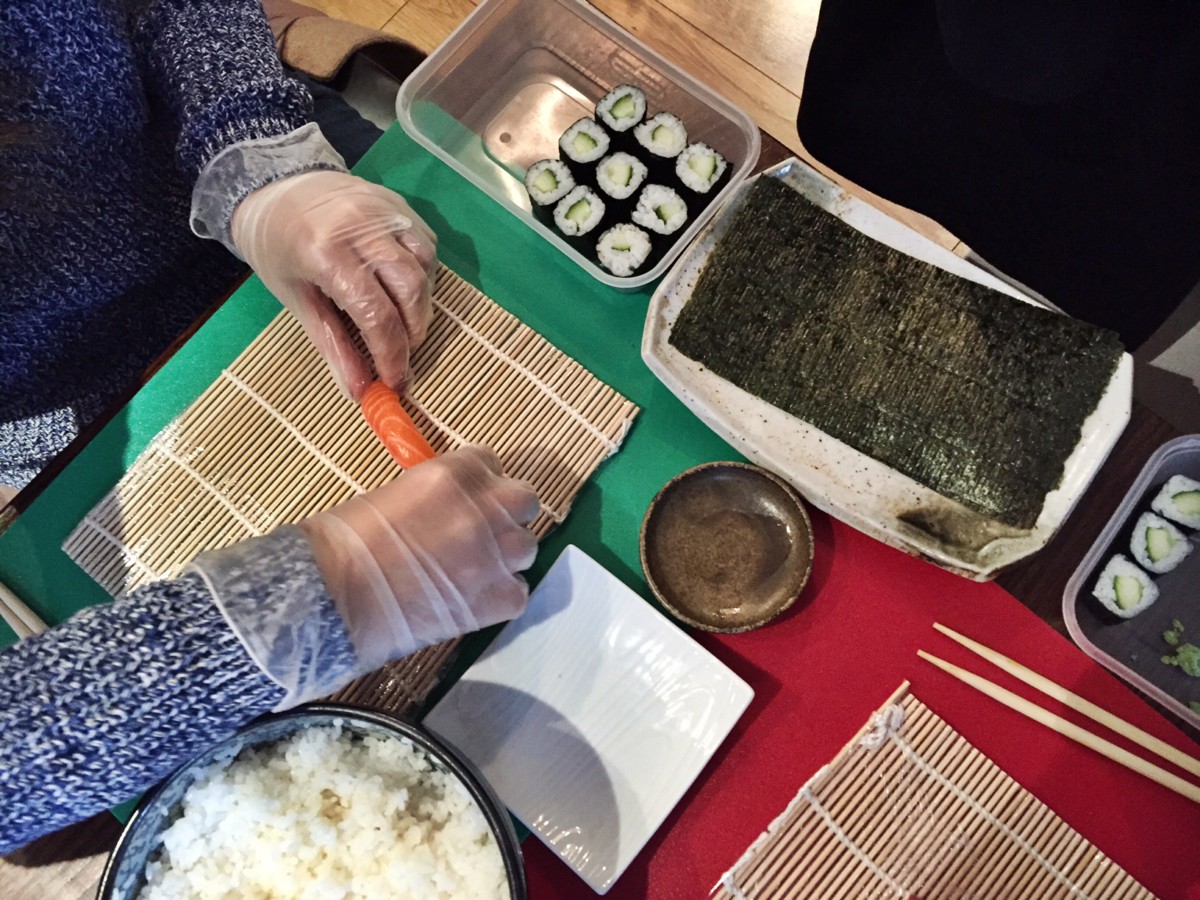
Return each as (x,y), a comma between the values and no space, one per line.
(1186,656)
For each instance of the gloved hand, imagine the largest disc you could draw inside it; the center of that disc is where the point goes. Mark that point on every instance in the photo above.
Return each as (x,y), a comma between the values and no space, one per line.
(325,241)
(429,556)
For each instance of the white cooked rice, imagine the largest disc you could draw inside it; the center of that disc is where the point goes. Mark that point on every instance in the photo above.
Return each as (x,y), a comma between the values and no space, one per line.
(1105,589)
(1180,547)
(623,249)
(662,134)
(1165,504)
(328,814)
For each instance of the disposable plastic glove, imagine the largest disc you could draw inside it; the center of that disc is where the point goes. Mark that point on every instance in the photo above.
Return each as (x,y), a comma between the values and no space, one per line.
(434,554)
(326,241)
(429,556)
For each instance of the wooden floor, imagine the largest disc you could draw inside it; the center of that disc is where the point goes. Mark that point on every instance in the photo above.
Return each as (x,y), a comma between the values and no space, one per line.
(753,52)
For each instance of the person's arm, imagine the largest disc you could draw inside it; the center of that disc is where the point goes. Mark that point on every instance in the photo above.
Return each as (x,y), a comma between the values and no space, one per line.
(102,707)
(326,245)
(97,710)
(214,64)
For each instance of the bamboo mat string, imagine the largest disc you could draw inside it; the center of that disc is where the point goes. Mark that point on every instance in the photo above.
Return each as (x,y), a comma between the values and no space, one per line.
(272,441)
(909,808)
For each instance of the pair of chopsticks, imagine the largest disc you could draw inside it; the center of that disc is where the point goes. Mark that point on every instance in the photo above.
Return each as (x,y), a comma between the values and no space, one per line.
(20,618)
(1070,729)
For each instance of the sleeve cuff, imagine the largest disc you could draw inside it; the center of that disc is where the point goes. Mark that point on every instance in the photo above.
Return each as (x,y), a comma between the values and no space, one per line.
(248,165)
(271,593)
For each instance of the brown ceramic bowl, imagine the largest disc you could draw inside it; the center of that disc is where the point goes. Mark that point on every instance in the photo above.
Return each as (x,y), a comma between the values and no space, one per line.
(726,546)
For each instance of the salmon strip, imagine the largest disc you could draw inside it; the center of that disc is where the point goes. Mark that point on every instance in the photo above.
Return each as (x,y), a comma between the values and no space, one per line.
(389,420)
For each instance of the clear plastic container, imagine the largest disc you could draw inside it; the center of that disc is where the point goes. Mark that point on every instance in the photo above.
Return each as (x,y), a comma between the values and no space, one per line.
(1133,648)
(494,98)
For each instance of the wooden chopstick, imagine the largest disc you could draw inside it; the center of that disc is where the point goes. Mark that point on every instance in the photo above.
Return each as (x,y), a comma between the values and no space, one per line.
(1069,729)
(20,618)
(1077,703)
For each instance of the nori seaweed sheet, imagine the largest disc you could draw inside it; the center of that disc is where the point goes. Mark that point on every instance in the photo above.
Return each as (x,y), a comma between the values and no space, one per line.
(976,395)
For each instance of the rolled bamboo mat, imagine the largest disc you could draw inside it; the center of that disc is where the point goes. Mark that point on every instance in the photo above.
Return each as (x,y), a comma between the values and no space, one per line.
(272,441)
(909,809)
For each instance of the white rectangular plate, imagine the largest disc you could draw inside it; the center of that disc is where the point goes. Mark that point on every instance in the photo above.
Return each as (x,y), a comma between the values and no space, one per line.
(590,716)
(855,488)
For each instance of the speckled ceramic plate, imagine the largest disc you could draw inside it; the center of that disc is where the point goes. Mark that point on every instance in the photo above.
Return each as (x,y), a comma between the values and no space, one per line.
(830,474)
(726,546)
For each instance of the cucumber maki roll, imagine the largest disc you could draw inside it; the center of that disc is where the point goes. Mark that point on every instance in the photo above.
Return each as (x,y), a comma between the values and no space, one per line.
(1123,588)
(547,181)
(578,215)
(701,170)
(620,111)
(663,213)
(619,177)
(661,138)
(1158,545)
(1179,501)
(623,249)
(582,146)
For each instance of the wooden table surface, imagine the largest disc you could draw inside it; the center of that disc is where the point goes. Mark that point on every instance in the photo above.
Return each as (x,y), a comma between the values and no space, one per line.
(755,55)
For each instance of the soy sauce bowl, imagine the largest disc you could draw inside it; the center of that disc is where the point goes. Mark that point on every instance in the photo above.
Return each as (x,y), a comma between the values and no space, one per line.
(726,546)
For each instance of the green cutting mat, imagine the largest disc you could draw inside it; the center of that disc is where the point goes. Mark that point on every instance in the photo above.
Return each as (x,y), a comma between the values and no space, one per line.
(489,247)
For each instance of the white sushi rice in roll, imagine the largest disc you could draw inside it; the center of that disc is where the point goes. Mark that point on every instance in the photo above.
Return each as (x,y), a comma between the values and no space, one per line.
(660,209)
(620,175)
(1179,501)
(1123,588)
(699,167)
(584,142)
(623,249)
(622,108)
(1158,545)
(662,134)
(548,181)
(579,212)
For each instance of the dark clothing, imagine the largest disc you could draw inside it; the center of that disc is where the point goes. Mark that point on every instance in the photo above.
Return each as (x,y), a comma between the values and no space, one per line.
(1053,139)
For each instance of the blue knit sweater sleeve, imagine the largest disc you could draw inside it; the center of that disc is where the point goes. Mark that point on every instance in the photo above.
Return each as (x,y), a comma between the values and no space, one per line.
(214,64)
(102,707)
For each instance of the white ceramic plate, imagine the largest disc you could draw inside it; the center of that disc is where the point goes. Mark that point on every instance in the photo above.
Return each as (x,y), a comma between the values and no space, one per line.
(832,475)
(590,716)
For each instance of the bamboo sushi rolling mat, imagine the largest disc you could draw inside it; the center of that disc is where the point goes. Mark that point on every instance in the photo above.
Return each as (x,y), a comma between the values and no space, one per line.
(272,440)
(910,809)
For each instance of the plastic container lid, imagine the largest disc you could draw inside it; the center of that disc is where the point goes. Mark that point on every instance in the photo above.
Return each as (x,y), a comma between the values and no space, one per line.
(495,96)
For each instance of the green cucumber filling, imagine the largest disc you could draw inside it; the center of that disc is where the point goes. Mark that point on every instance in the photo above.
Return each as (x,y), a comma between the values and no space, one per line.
(1159,543)
(583,143)
(545,181)
(665,211)
(620,174)
(1127,590)
(1188,503)
(579,212)
(661,134)
(623,108)
(703,165)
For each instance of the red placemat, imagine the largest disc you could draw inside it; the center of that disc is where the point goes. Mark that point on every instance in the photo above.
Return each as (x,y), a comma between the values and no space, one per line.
(820,671)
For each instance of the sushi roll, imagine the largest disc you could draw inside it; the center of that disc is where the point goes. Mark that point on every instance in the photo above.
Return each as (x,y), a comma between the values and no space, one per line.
(623,249)
(1179,501)
(661,138)
(547,181)
(1158,545)
(663,213)
(578,216)
(582,146)
(620,111)
(1123,588)
(619,177)
(701,170)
